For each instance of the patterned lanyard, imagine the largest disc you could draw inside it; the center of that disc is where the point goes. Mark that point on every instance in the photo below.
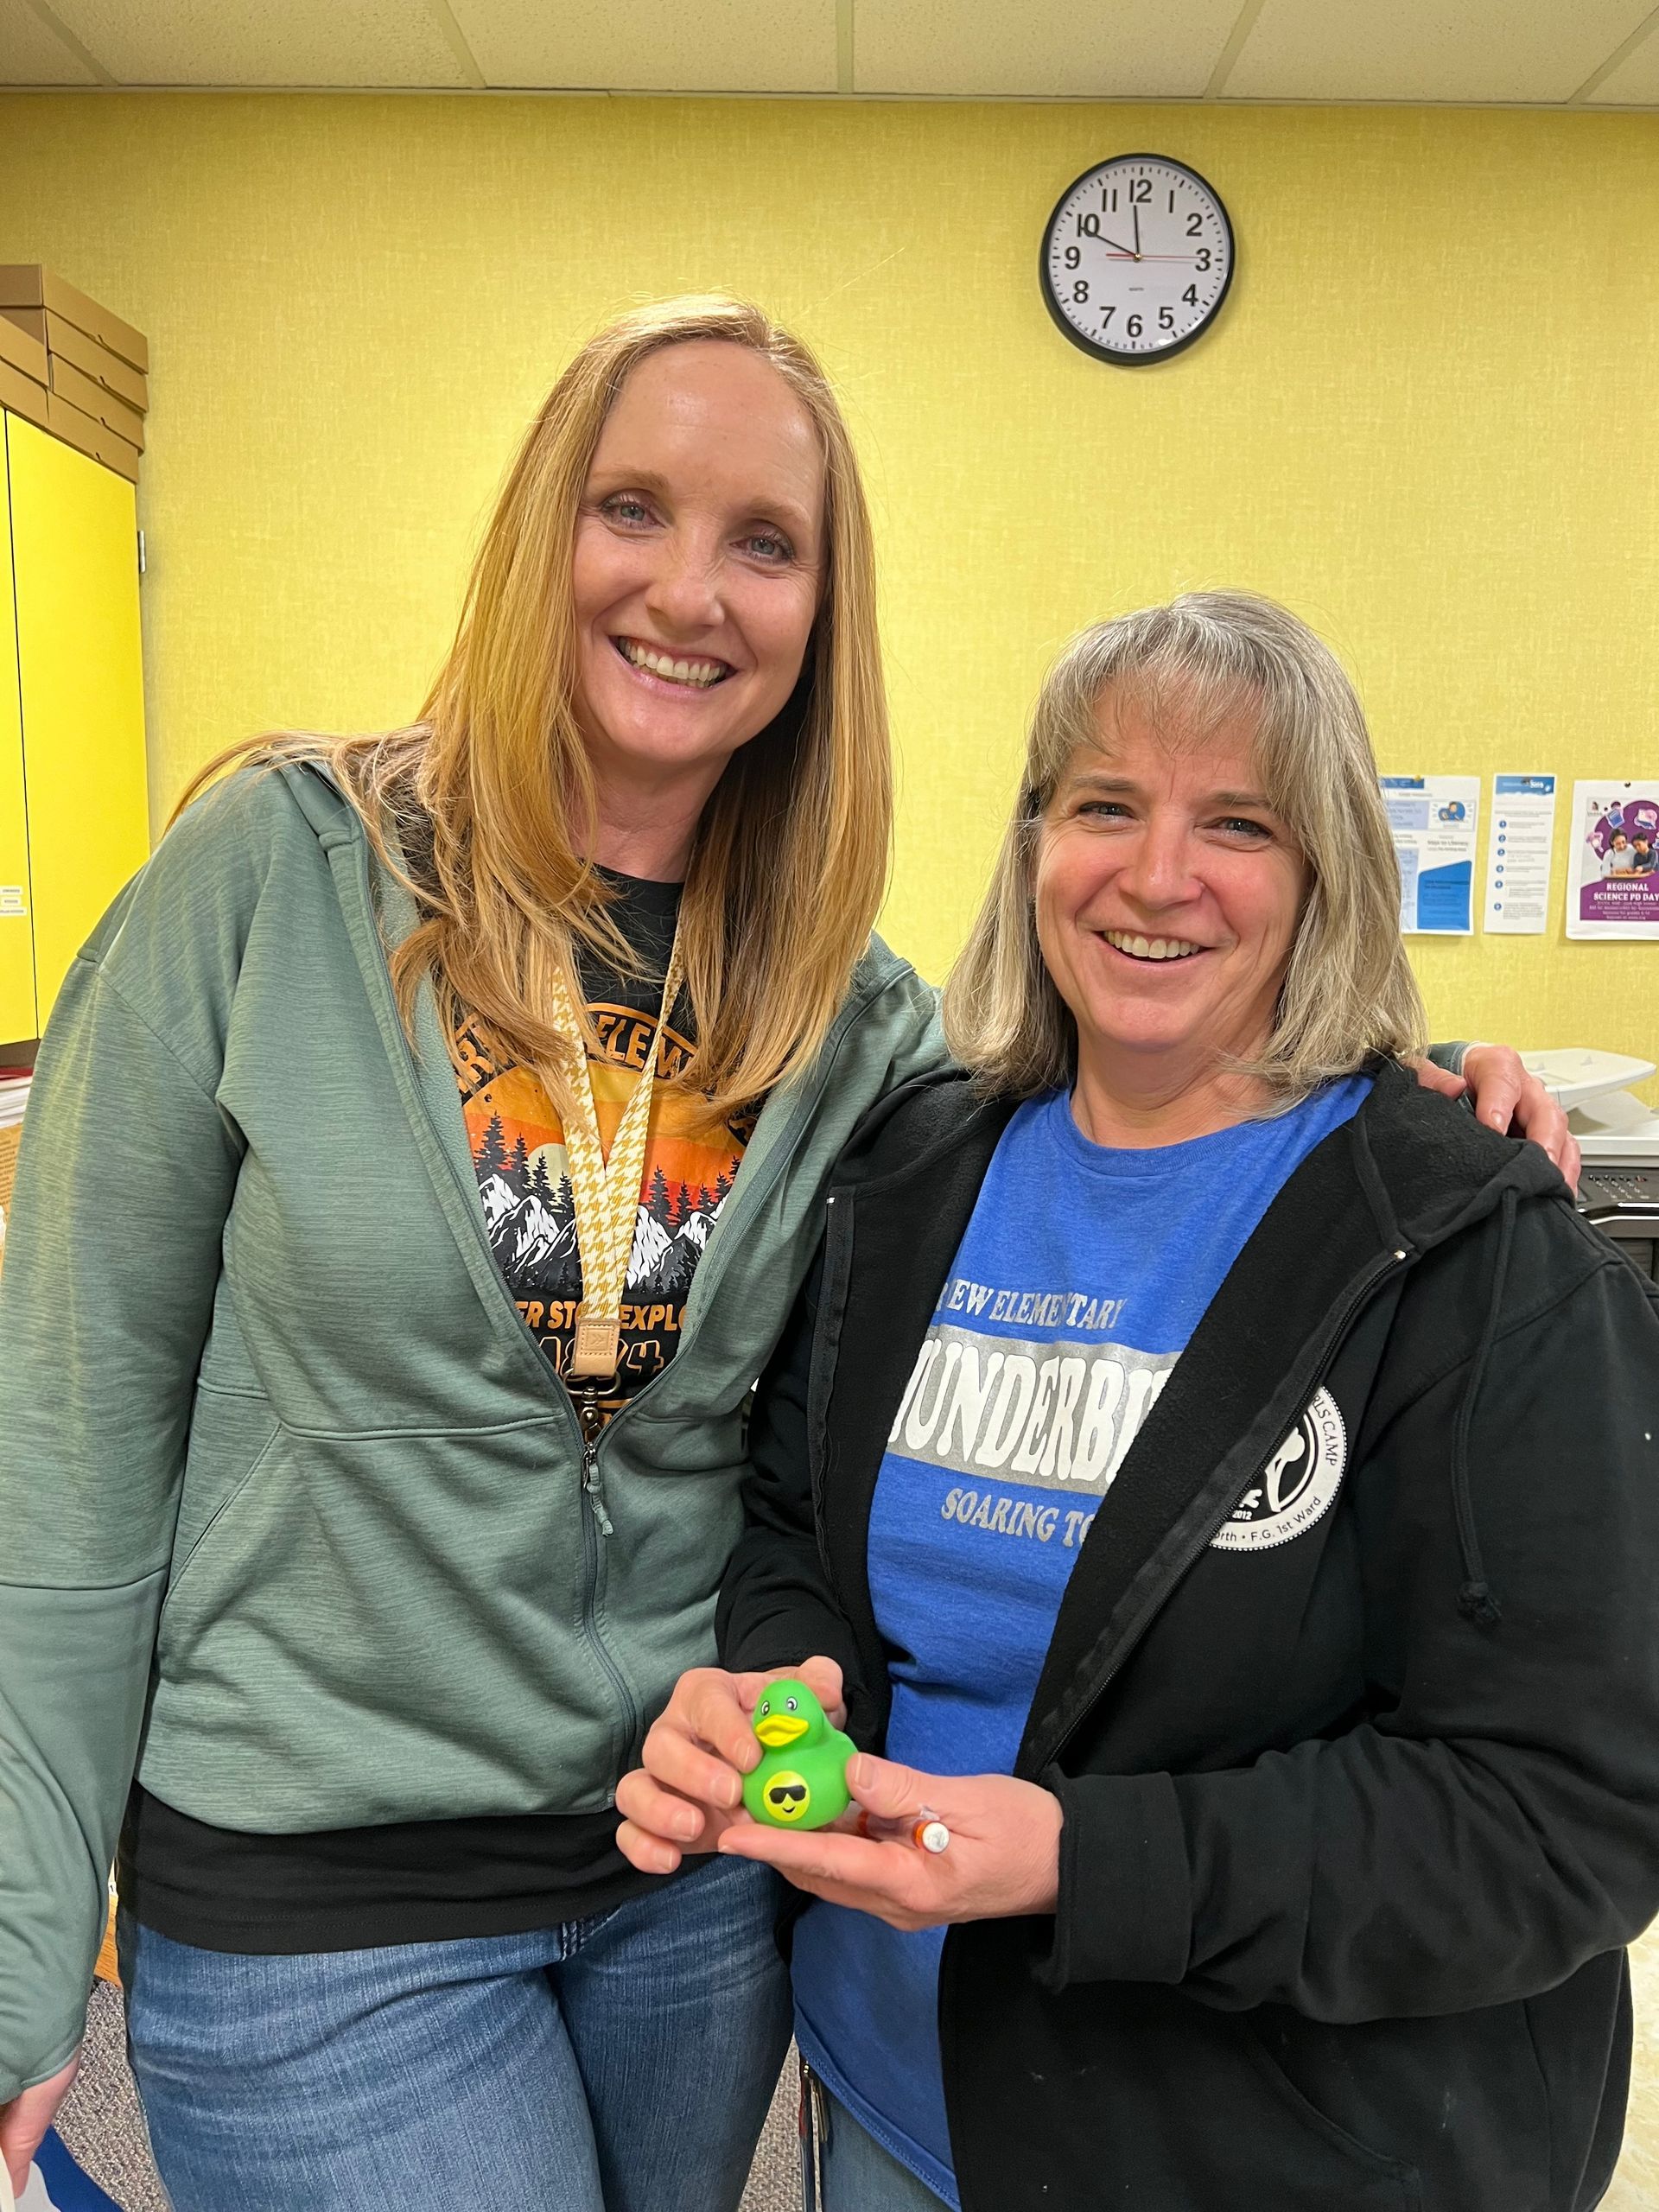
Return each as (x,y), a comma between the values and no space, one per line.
(607,1192)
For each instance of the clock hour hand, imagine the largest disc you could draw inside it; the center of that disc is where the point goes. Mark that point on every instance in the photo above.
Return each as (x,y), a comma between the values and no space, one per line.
(1114,245)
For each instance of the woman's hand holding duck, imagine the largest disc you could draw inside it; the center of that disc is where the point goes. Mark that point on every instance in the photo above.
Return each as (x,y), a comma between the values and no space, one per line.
(689,1790)
(1003,1858)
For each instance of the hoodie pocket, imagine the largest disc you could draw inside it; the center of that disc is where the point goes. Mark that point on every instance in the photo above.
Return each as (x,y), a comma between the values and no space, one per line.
(230,1432)
(1333,2168)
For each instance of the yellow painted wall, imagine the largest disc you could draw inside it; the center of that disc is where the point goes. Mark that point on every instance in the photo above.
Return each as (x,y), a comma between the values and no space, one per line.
(1428,419)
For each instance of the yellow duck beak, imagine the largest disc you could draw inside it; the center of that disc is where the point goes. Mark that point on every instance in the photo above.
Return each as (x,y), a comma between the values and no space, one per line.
(780,1728)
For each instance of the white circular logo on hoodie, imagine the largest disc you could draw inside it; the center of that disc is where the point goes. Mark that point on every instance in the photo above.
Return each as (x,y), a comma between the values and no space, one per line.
(1295,1488)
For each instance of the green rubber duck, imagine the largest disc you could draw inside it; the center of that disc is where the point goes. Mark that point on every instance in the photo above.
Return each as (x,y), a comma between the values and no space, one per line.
(801,1782)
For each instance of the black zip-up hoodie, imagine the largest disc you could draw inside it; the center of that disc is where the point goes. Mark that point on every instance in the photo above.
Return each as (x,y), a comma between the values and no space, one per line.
(1358,1821)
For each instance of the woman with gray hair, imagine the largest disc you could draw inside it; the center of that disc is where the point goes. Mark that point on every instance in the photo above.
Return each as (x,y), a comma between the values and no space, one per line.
(1211,1462)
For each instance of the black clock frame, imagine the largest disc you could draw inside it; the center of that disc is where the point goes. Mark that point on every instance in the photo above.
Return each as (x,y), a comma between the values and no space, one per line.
(1106,353)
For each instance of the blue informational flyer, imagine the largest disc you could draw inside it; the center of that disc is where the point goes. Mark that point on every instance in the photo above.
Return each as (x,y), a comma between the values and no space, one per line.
(1434,820)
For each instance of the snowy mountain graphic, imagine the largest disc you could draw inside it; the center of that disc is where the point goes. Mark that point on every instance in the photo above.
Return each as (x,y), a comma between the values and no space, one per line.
(676,1256)
(530,1222)
(537,1243)
(496,1197)
(651,1242)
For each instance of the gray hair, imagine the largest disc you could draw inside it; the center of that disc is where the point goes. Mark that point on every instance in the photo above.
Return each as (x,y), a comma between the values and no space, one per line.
(1348,991)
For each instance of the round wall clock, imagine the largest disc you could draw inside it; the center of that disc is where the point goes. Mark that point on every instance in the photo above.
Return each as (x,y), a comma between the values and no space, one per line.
(1136,259)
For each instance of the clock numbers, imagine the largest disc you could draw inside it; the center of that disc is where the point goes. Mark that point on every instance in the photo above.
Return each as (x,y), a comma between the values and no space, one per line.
(1137,258)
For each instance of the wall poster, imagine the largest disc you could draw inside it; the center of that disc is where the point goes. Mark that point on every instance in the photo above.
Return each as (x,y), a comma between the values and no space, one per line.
(1434,819)
(1612,880)
(1518,850)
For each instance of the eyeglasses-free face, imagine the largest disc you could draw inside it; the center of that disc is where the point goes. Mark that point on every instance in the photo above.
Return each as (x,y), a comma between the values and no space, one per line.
(697,564)
(1167,894)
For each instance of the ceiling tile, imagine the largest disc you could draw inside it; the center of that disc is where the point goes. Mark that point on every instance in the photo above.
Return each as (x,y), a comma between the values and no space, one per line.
(31,54)
(1635,81)
(1427,49)
(361,42)
(1114,49)
(655,45)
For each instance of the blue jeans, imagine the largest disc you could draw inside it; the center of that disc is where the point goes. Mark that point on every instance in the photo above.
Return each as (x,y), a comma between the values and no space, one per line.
(617,2064)
(854,2172)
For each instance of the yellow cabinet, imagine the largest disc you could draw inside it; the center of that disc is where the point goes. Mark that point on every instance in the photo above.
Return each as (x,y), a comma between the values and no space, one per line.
(17,1017)
(75,824)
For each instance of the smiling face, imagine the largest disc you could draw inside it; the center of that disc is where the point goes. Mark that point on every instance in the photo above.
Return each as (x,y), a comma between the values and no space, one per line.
(1167,894)
(698,563)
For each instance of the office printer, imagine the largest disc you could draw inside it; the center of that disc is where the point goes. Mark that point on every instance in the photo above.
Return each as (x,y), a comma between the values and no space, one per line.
(1618,1137)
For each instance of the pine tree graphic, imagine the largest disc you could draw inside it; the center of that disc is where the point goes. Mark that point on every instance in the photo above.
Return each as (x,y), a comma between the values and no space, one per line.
(656,1199)
(520,1168)
(491,1154)
(538,1178)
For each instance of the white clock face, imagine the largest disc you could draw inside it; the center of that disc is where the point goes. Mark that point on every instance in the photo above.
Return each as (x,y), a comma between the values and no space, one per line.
(1136,259)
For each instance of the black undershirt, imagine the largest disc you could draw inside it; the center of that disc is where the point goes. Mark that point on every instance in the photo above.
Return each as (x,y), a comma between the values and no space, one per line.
(409,1881)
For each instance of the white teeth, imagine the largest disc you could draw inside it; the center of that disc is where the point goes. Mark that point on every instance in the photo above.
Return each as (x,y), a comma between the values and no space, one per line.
(701,673)
(1156,948)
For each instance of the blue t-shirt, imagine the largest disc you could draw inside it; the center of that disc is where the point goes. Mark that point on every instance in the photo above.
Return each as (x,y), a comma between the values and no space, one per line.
(1083,1274)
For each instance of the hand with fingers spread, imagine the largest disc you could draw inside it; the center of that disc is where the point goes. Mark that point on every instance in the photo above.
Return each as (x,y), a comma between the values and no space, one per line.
(1003,1858)
(1509,1100)
(689,1790)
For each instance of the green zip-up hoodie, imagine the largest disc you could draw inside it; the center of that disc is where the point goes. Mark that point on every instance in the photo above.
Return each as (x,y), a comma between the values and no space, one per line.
(292,1515)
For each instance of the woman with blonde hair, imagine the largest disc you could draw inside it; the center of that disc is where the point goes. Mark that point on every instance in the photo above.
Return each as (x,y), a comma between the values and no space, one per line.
(423,1161)
(1224,1498)
(373,1358)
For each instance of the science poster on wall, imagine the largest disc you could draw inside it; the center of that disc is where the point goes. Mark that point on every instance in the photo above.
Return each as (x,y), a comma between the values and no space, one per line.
(1434,819)
(1612,884)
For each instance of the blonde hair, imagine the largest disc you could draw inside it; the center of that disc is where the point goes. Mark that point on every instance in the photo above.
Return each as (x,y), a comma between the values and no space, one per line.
(790,855)
(1348,991)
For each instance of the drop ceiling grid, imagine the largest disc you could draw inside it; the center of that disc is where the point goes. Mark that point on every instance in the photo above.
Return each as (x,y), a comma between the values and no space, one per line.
(1424,50)
(654,45)
(30,53)
(1136,49)
(1525,53)
(1635,81)
(344,43)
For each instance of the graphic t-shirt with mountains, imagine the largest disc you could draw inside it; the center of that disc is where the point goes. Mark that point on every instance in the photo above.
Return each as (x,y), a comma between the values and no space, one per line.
(523,1184)
(434,1881)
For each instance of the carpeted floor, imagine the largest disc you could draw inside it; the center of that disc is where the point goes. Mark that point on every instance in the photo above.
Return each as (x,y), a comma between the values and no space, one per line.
(100,2120)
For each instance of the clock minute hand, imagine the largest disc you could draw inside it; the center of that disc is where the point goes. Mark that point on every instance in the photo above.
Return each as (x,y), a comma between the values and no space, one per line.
(1136,212)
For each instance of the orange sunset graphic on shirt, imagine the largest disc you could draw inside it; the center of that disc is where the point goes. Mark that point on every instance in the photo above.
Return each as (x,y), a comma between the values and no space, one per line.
(517,1147)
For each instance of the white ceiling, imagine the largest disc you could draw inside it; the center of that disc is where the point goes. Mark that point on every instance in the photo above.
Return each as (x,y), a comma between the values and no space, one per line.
(1543,53)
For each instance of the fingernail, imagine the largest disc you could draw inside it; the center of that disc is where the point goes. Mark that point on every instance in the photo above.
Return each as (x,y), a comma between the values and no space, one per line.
(731,1793)
(860,1772)
(688,1827)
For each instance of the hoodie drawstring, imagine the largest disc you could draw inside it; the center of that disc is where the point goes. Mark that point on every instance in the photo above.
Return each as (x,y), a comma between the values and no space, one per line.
(1475,1599)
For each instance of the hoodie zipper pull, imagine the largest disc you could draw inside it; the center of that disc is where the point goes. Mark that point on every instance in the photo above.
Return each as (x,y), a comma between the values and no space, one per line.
(593,1427)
